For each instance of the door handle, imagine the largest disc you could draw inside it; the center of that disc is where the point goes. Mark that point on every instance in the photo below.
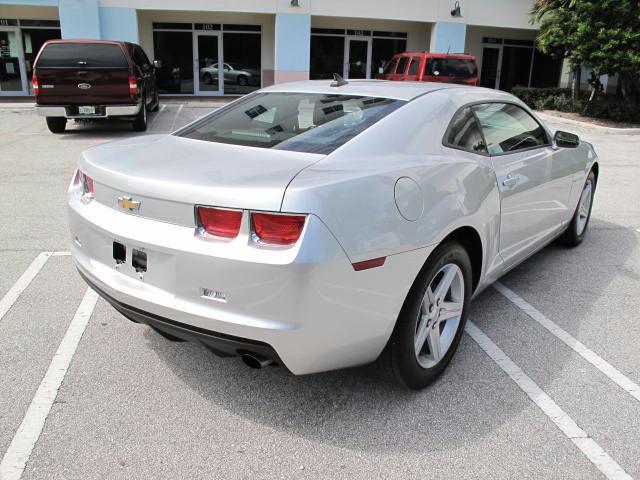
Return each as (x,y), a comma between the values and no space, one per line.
(510,181)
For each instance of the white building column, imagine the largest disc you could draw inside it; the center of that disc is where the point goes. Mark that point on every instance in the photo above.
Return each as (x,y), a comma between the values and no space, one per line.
(448,37)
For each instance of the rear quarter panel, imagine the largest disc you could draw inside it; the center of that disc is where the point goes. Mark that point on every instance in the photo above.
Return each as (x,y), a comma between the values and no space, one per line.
(352,190)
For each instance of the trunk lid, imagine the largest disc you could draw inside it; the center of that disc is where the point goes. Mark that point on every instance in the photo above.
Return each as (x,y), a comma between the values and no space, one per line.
(73,73)
(168,175)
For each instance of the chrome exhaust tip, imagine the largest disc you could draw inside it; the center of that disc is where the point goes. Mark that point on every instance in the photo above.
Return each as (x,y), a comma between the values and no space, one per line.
(253,360)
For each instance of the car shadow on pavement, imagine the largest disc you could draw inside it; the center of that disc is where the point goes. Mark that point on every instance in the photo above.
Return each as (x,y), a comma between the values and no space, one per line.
(354,409)
(111,129)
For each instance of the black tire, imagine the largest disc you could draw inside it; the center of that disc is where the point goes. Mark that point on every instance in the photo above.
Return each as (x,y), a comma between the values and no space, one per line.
(572,236)
(243,81)
(140,121)
(156,103)
(207,78)
(56,124)
(398,362)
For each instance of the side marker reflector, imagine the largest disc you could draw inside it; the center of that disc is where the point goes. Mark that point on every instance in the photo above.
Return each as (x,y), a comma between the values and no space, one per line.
(374,262)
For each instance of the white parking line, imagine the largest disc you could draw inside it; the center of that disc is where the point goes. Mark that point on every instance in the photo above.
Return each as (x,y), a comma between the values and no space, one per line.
(175,119)
(17,455)
(590,356)
(23,282)
(155,118)
(594,452)
(61,254)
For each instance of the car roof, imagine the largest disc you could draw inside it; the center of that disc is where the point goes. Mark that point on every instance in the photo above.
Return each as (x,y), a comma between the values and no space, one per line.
(371,88)
(464,56)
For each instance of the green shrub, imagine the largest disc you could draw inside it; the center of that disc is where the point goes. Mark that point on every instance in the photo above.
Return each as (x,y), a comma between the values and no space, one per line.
(609,107)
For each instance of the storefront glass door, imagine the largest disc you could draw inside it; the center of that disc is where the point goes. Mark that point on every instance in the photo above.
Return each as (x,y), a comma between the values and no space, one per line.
(13,80)
(209,69)
(358,55)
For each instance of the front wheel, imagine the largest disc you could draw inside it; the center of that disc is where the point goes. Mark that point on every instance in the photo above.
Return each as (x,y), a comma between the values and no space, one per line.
(577,229)
(140,121)
(431,321)
(56,124)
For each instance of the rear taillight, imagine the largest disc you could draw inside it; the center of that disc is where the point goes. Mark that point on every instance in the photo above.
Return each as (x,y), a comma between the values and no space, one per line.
(35,84)
(220,222)
(87,187)
(277,229)
(133,85)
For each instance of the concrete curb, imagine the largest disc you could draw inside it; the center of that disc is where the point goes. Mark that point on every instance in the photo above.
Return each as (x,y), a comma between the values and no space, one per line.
(547,117)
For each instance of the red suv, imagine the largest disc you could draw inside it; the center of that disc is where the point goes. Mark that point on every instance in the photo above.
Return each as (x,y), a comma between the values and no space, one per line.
(432,67)
(93,79)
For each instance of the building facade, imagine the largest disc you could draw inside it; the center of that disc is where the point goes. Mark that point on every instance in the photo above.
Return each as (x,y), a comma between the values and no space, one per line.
(261,42)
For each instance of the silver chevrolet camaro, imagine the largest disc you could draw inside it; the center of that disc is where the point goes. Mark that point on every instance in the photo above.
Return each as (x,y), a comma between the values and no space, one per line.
(321,225)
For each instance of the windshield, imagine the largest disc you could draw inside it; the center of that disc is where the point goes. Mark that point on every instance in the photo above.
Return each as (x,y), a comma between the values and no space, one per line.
(300,122)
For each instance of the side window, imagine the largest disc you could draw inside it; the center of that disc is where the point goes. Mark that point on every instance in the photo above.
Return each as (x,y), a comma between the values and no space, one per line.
(402,65)
(509,128)
(413,66)
(390,67)
(464,132)
(139,57)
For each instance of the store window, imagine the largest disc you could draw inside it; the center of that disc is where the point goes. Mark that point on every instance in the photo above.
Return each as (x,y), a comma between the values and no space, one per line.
(174,50)
(327,56)
(10,80)
(242,59)
(226,57)
(353,53)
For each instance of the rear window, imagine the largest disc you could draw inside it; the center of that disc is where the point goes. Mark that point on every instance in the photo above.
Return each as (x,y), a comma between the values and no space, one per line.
(300,122)
(452,67)
(82,55)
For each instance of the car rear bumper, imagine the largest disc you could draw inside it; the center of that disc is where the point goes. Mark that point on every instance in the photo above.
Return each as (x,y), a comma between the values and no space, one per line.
(71,112)
(221,344)
(306,303)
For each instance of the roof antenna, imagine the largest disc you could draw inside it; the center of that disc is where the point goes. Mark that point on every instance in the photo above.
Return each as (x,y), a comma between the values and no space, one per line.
(338,81)
(448,48)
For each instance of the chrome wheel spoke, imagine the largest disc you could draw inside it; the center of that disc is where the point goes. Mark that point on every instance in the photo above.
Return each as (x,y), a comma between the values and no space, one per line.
(434,343)
(450,310)
(421,333)
(445,283)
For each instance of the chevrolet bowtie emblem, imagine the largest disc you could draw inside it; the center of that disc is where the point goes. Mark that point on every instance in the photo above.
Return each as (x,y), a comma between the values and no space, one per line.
(128,203)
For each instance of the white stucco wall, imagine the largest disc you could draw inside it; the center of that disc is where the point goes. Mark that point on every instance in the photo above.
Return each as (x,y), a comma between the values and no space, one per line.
(498,13)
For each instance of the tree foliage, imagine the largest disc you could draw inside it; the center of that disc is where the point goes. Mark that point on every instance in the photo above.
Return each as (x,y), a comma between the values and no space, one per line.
(602,35)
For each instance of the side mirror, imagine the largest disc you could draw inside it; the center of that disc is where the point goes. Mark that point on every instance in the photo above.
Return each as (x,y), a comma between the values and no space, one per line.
(380,70)
(157,63)
(566,139)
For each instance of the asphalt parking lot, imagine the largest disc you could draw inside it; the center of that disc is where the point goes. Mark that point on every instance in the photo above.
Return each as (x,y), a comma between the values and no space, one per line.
(544,386)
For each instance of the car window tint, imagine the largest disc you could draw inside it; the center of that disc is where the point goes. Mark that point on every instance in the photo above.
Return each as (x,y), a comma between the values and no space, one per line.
(464,132)
(390,67)
(301,122)
(413,66)
(459,68)
(508,128)
(82,55)
(402,65)
(140,58)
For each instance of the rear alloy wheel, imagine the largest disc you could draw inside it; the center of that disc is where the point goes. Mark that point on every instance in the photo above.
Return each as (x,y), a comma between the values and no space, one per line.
(56,124)
(577,229)
(140,122)
(432,320)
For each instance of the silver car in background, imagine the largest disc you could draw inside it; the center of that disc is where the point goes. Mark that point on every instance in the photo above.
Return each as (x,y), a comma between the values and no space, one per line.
(321,225)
